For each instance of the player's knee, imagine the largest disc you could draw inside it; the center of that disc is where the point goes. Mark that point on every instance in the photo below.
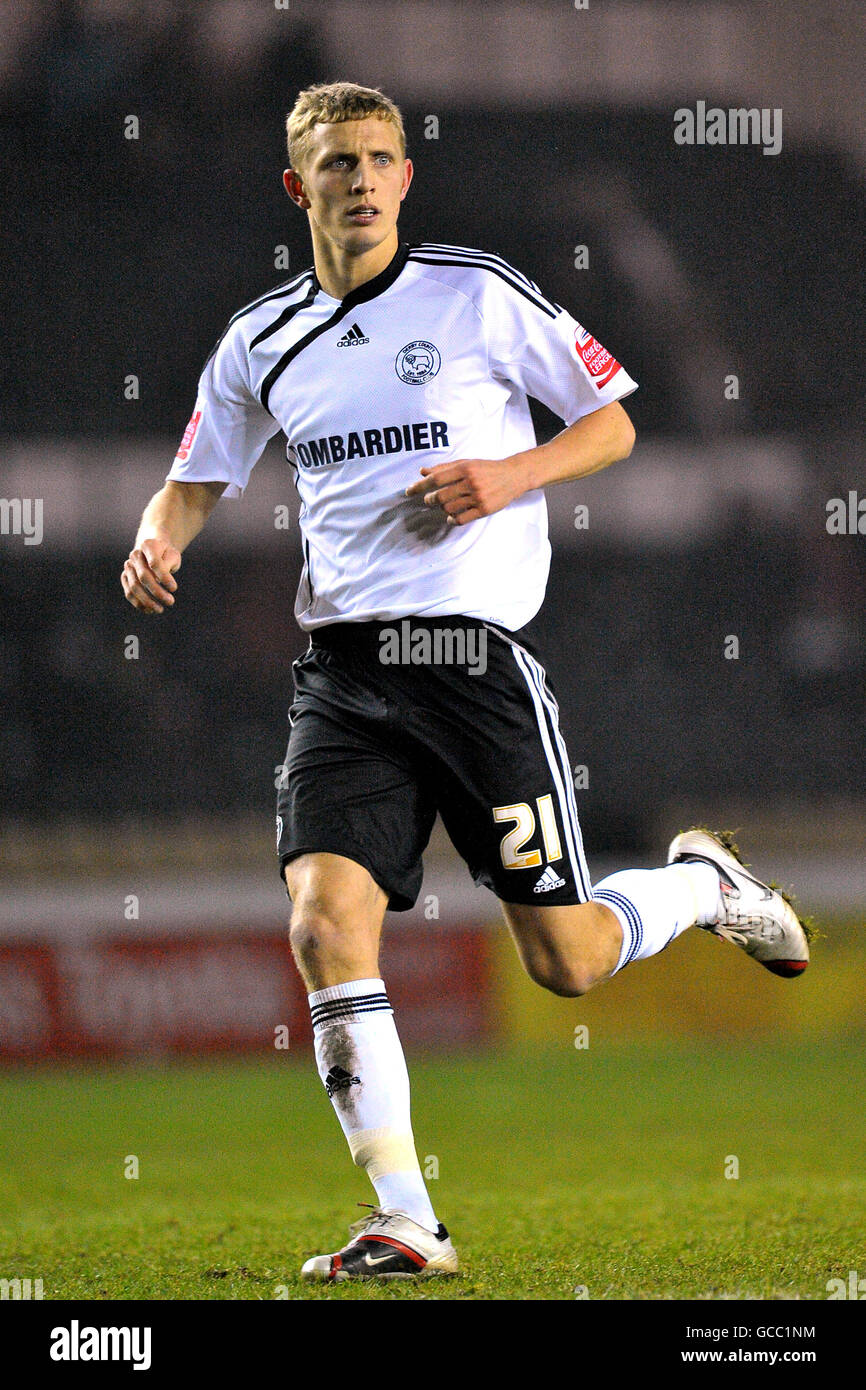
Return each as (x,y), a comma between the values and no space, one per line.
(314,937)
(330,942)
(568,979)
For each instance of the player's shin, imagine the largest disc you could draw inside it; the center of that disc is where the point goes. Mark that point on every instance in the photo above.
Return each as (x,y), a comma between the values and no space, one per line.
(361,1063)
(654,906)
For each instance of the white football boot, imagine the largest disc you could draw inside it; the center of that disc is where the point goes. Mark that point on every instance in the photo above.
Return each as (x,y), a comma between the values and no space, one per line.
(754,916)
(386,1245)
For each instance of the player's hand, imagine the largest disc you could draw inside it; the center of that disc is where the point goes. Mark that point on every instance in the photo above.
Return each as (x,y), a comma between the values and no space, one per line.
(147,576)
(467,489)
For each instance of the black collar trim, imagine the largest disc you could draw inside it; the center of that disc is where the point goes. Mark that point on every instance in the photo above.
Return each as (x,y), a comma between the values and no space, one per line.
(364,292)
(379,283)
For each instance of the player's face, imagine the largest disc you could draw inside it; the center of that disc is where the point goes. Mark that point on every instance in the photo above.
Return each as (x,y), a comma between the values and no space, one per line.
(353,182)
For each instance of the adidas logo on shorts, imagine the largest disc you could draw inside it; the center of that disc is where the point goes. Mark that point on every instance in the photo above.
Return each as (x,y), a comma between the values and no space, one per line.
(548,881)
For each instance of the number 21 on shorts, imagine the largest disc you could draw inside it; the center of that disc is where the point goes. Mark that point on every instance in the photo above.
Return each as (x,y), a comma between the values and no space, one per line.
(523,830)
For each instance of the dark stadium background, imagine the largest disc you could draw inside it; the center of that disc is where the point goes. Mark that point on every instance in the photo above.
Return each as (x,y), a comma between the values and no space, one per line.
(704,632)
(153,778)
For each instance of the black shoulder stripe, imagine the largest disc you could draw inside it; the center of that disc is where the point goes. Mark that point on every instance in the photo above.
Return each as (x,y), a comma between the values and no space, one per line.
(288,288)
(463,253)
(489,261)
(467,253)
(289,356)
(494,270)
(285,317)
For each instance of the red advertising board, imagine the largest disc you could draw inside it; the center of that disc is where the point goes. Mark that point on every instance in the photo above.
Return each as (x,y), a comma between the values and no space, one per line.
(111,996)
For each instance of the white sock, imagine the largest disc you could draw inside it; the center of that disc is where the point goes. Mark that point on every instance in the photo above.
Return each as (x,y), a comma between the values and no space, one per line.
(654,906)
(361,1063)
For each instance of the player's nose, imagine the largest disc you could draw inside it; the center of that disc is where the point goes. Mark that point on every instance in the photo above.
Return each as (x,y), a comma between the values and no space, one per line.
(364,179)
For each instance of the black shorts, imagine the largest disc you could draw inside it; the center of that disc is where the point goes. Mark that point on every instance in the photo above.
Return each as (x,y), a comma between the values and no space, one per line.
(394,721)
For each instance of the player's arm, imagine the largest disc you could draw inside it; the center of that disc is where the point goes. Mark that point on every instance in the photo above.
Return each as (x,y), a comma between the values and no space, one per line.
(591,443)
(470,488)
(226,434)
(172,518)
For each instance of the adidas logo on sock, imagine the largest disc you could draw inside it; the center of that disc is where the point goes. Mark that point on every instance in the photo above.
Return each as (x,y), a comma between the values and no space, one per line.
(548,881)
(338,1079)
(354,337)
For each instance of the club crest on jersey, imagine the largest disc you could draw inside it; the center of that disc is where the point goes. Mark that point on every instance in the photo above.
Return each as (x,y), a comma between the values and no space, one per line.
(417,363)
(601,365)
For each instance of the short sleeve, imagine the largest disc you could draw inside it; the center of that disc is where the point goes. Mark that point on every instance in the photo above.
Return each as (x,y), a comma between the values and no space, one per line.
(538,346)
(229,427)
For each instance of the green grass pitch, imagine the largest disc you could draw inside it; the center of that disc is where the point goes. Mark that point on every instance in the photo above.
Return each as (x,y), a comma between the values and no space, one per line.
(600,1170)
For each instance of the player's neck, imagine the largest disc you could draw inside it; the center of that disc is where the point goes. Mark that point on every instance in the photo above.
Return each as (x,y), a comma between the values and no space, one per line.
(339,273)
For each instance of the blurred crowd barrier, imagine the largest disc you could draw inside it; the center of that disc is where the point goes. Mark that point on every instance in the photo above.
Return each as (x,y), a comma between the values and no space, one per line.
(172,991)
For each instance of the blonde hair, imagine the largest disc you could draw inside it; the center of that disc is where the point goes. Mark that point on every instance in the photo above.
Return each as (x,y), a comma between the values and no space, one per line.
(331,103)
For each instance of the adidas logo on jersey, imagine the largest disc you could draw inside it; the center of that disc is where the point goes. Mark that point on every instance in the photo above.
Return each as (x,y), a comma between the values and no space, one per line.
(354,337)
(548,881)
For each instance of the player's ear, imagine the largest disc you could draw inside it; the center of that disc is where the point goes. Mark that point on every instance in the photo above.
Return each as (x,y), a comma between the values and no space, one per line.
(293,184)
(408,171)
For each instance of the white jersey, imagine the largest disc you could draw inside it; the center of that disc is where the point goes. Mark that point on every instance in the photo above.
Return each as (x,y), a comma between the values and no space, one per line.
(432,360)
